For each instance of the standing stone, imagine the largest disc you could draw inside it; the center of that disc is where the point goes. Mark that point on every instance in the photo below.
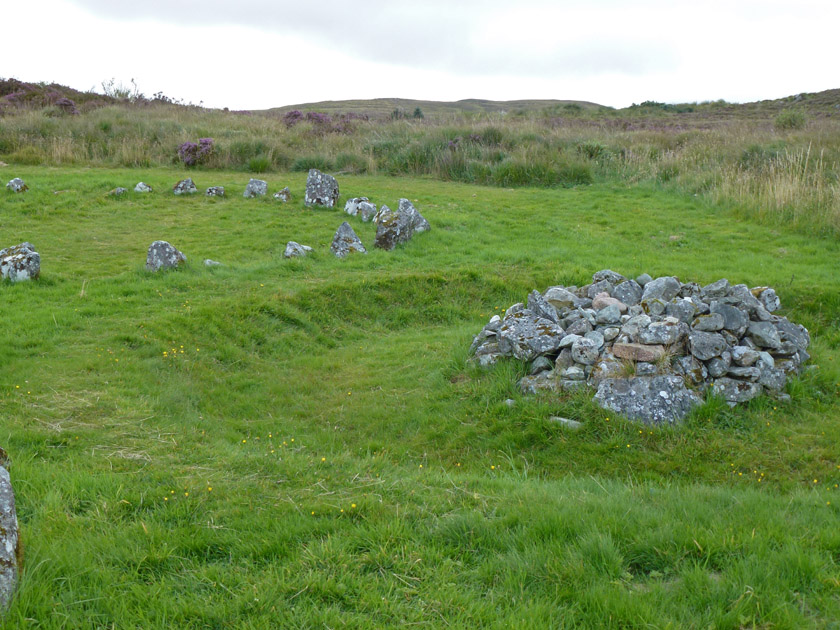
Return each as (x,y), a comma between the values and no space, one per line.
(255,188)
(367,211)
(9,535)
(185,187)
(215,191)
(20,262)
(162,255)
(17,185)
(393,228)
(142,188)
(284,195)
(321,189)
(296,250)
(345,241)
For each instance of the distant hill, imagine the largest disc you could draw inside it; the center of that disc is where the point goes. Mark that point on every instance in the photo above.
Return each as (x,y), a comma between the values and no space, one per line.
(385,106)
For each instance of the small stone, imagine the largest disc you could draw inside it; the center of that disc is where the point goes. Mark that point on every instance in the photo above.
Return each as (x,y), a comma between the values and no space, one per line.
(296,250)
(744,373)
(510,402)
(185,187)
(579,327)
(142,188)
(744,356)
(663,332)
(525,336)
(283,195)
(643,279)
(352,205)
(542,307)
(17,185)
(611,276)
(735,391)
(255,188)
(682,309)
(644,368)
(610,333)
(609,314)
(162,255)
(560,297)
(573,373)
(734,319)
(629,292)
(665,288)
(596,288)
(393,228)
(570,424)
(768,298)
(211,263)
(345,241)
(718,366)
(712,322)
(541,364)
(717,289)
(215,191)
(367,211)
(597,337)
(772,378)
(119,191)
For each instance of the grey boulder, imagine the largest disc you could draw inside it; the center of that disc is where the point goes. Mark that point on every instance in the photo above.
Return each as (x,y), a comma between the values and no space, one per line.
(653,400)
(185,187)
(296,250)
(162,255)
(20,262)
(17,185)
(255,188)
(345,241)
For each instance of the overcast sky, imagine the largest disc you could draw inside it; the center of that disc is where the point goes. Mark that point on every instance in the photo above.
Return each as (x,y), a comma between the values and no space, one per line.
(255,54)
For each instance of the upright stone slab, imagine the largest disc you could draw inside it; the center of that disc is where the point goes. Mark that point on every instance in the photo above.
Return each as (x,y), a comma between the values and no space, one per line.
(393,228)
(162,255)
(346,242)
(255,188)
(9,535)
(20,262)
(321,189)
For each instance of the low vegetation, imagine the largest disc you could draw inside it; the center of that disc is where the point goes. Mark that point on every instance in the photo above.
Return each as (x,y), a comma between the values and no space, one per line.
(303,443)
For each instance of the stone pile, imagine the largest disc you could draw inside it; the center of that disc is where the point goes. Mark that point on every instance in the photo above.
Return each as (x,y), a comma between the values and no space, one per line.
(20,262)
(9,535)
(651,347)
(321,189)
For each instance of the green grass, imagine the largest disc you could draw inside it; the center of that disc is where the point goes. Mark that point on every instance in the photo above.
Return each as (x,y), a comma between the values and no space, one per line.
(363,474)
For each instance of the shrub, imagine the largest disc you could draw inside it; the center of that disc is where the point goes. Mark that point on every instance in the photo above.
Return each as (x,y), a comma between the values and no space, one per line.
(259,164)
(312,161)
(789,119)
(418,113)
(192,153)
(592,150)
(491,137)
(292,117)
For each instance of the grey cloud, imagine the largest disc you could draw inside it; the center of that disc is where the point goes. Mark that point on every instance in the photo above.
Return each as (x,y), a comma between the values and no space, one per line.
(434,36)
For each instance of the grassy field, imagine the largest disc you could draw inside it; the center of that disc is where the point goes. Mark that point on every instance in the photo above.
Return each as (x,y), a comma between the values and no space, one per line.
(303,444)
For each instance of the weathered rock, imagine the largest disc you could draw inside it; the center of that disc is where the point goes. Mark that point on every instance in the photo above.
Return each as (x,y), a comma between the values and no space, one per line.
(719,366)
(541,364)
(643,279)
(653,400)
(544,381)
(142,188)
(705,345)
(768,298)
(735,391)
(717,289)
(525,336)
(17,185)
(283,195)
(597,337)
(398,227)
(585,351)
(794,333)
(609,275)
(255,188)
(367,211)
(610,333)
(665,288)
(682,309)
(596,288)
(692,369)
(573,373)
(744,356)
(666,332)
(162,255)
(20,262)
(321,189)
(539,305)
(572,425)
(772,378)
(382,212)
(215,191)
(579,327)
(559,297)
(119,191)
(734,319)
(185,187)
(633,326)
(629,292)
(764,334)
(712,322)
(212,263)
(9,535)
(638,352)
(296,250)
(352,205)
(488,354)
(608,315)
(345,241)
